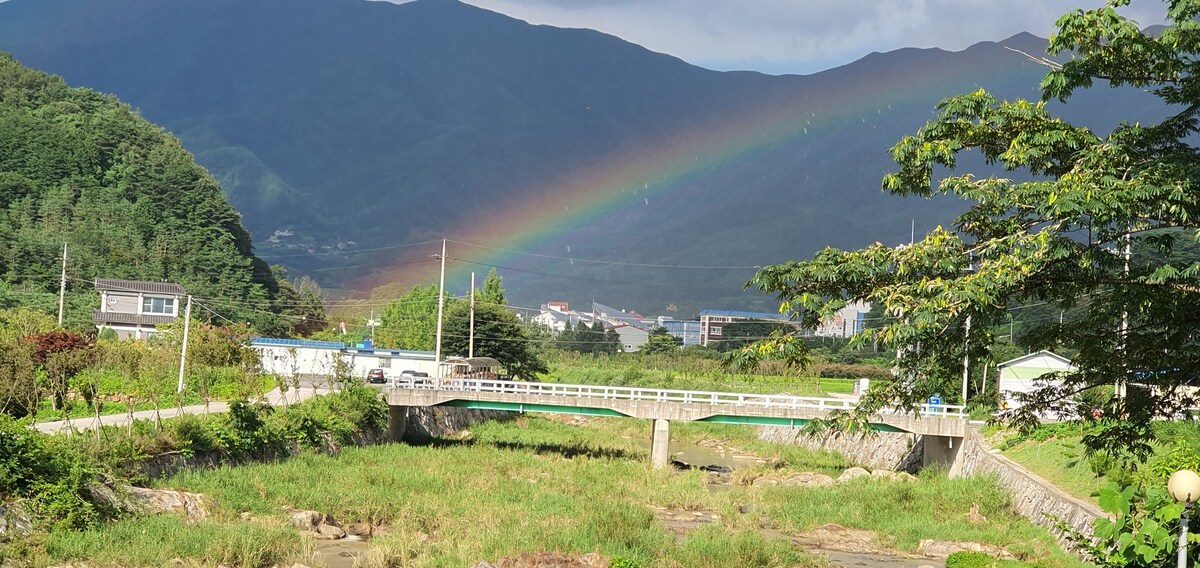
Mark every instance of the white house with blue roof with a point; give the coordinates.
(309, 358)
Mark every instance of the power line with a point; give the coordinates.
(606, 262)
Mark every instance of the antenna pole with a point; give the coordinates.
(62, 286)
(437, 351)
(471, 341)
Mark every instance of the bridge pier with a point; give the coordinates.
(943, 450)
(660, 443)
(397, 422)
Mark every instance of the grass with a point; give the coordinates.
(111, 386)
(537, 484)
(638, 376)
(1056, 453)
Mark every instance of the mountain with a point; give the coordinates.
(79, 168)
(347, 132)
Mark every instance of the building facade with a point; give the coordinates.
(134, 308)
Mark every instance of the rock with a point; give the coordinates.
(483, 564)
(905, 476)
(246, 516)
(764, 480)
(329, 532)
(942, 548)
(852, 473)
(745, 508)
(884, 474)
(299, 565)
(358, 529)
(304, 520)
(716, 468)
(191, 505)
(841, 539)
(808, 478)
(14, 520)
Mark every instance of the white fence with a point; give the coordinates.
(660, 395)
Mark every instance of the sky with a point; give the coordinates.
(802, 36)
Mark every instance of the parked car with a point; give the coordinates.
(414, 378)
(376, 376)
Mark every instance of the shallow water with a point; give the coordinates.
(344, 553)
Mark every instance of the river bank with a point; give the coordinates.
(532, 484)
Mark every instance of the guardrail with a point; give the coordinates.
(658, 395)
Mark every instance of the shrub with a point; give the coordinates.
(966, 559)
(836, 370)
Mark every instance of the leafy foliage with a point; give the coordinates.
(1055, 233)
(410, 320)
(1142, 531)
(80, 168)
(660, 341)
(498, 334)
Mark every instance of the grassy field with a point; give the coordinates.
(536, 484)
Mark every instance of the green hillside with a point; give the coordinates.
(81, 168)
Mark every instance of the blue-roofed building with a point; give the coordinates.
(309, 358)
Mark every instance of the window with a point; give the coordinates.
(165, 306)
(385, 362)
(714, 330)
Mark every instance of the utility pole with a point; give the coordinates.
(372, 323)
(187, 324)
(1119, 388)
(966, 357)
(437, 350)
(471, 341)
(62, 286)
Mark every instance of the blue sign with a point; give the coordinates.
(935, 400)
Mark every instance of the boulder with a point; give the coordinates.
(14, 520)
(329, 532)
(358, 529)
(305, 520)
(884, 474)
(905, 476)
(852, 473)
(190, 505)
(841, 539)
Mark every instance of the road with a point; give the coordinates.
(274, 397)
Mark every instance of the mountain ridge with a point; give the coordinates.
(385, 124)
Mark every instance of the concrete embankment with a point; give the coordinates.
(1033, 497)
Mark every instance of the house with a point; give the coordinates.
(134, 308)
(846, 322)
(556, 316)
(392, 361)
(633, 330)
(631, 338)
(1020, 375)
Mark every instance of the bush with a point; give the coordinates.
(840, 371)
(966, 559)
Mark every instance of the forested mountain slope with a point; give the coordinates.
(340, 126)
(81, 168)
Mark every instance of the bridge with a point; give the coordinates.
(942, 426)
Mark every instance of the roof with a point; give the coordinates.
(631, 319)
(285, 342)
(392, 352)
(747, 315)
(473, 362)
(1032, 356)
(114, 285)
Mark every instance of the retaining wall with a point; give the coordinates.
(1033, 497)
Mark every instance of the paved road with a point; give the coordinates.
(274, 397)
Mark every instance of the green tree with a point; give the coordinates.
(661, 341)
(1054, 232)
(492, 291)
(499, 334)
(410, 321)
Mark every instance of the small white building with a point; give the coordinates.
(631, 338)
(1021, 375)
(299, 357)
(308, 358)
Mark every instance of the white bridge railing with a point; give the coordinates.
(781, 401)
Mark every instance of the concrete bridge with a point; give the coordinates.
(943, 426)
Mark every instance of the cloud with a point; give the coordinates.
(786, 36)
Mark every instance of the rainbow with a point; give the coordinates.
(629, 177)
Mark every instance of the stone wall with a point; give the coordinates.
(881, 450)
(427, 422)
(1035, 498)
